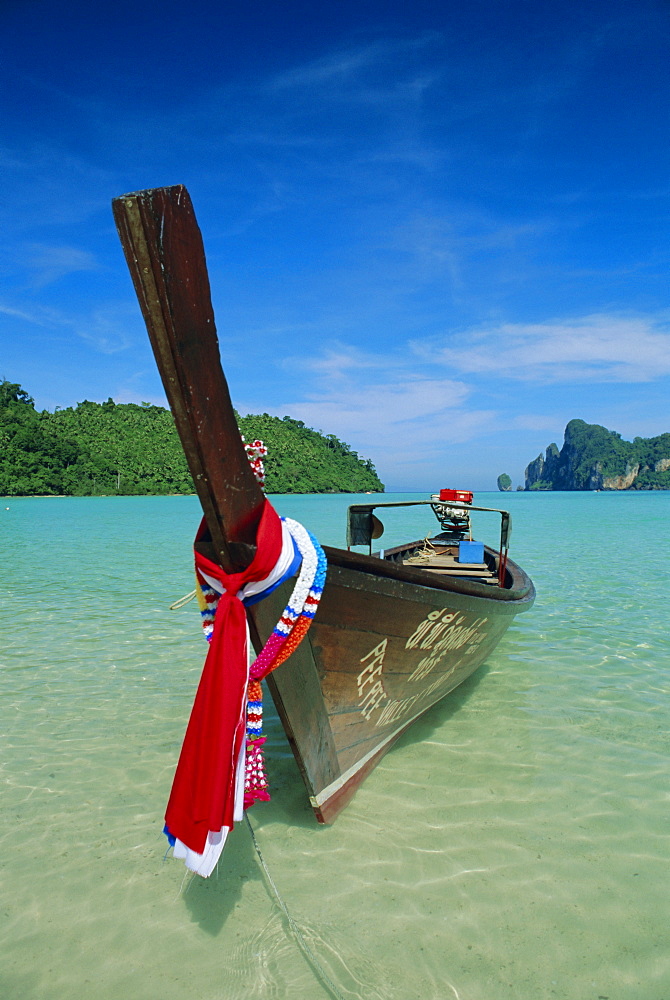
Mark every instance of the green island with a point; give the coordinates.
(130, 449)
(594, 458)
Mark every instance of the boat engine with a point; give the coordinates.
(451, 509)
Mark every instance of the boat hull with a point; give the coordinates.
(381, 651)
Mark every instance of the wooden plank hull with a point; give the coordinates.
(379, 654)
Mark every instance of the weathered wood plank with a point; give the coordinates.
(166, 258)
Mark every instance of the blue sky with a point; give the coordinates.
(437, 230)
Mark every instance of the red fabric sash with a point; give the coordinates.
(203, 790)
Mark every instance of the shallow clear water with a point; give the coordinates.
(513, 845)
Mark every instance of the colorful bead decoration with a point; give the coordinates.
(302, 604)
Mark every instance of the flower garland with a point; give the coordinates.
(256, 452)
(284, 639)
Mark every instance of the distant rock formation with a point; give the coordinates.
(504, 483)
(594, 458)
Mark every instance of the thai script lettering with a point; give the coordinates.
(429, 630)
(442, 636)
(439, 634)
(371, 691)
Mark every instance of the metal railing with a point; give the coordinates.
(454, 517)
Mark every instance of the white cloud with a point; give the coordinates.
(38, 317)
(393, 428)
(382, 408)
(53, 262)
(108, 329)
(345, 66)
(355, 405)
(339, 361)
(595, 348)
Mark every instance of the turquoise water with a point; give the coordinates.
(513, 845)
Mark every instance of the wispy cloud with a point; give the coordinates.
(342, 363)
(473, 249)
(398, 425)
(382, 405)
(36, 316)
(347, 64)
(108, 329)
(52, 186)
(50, 263)
(358, 103)
(596, 348)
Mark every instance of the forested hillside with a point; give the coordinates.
(595, 458)
(126, 448)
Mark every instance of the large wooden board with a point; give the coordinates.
(166, 258)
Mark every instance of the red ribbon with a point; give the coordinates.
(203, 790)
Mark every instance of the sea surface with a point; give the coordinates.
(514, 844)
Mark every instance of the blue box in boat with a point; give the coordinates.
(471, 552)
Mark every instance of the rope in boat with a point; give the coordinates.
(424, 554)
(183, 601)
(311, 957)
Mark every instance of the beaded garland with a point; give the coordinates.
(301, 608)
(284, 639)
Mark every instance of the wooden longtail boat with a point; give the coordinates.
(397, 630)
